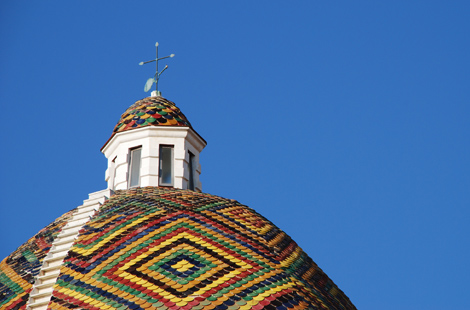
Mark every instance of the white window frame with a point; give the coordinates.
(112, 173)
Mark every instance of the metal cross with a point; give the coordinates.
(155, 79)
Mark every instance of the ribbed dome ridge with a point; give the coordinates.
(19, 270)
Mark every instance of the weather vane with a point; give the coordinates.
(155, 79)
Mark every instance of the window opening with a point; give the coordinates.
(166, 165)
(191, 171)
(134, 167)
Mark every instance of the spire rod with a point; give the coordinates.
(156, 77)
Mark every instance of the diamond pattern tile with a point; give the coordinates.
(165, 248)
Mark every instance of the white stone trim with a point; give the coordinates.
(41, 293)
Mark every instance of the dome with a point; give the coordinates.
(151, 111)
(166, 248)
(162, 133)
(19, 270)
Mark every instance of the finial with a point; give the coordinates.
(156, 77)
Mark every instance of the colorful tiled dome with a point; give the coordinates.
(166, 248)
(151, 111)
(19, 270)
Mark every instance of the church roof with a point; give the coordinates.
(19, 270)
(151, 111)
(167, 248)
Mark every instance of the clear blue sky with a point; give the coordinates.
(346, 123)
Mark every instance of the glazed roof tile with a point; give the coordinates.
(151, 111)
(166, 248)
(19, 270)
